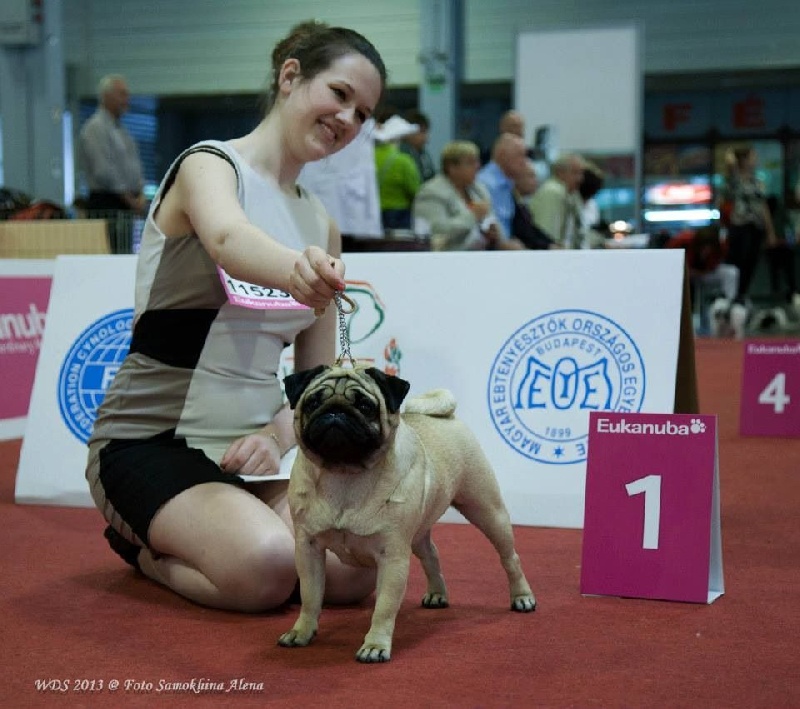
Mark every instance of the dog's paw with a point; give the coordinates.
(523, 604)
(295, 639)
(369, 653)
(435, 600)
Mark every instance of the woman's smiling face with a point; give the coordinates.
(327, 112)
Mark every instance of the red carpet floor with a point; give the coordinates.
(72, 613)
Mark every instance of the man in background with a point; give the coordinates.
(522, 225)
(556, 205)
(512, 122)
(508, 164)
(415, 144)
(346, 183)
(110, 159)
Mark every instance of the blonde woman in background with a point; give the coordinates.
(456, 207)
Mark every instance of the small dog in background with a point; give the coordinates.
(735, 320)
(369, 483)
(770, 320)
(719, 318)
(727, 319)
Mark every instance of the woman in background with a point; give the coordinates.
(456, 207)
(750, 225)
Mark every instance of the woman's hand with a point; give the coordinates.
(480, 210)
(256, 454)
(315, 278)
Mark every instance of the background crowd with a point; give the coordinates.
(509, 201)
(387, 184)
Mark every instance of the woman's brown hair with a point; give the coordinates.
(316, 46)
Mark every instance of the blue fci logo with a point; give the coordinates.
(552, 372)
(88, 369)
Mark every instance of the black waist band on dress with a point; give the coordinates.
(174, 337)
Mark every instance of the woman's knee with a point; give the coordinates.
(248, 566)
(262, 578)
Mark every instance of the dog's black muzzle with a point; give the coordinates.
(337, 435)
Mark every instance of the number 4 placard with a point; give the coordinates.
(651, 521)
(770, 403)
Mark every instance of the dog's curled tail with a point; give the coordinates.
(437, 402)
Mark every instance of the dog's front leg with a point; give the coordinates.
(310, 561)
(390, 590)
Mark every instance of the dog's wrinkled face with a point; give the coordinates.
(344, 416)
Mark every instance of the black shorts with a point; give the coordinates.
(140, 476)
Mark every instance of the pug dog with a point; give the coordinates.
(369, 483)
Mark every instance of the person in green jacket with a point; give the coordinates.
(397, 173)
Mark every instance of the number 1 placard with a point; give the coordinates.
(651, 521)
(770, 403)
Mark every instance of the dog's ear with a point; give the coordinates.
(295, 384)
(394, 389)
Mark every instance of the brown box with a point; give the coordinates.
(52, 237)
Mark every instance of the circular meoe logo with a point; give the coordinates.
(88, 369)
(552, 372)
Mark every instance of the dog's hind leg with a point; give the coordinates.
(436, 594)
(485, 509)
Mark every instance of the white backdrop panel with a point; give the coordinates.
(587, 83)
(529, 343)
